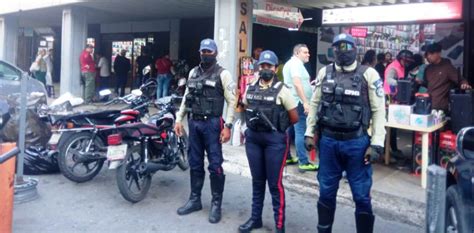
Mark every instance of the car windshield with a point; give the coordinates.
(8, 72)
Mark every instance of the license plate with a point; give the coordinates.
(54, 138)
(116, 152)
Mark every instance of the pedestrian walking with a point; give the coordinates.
(348, 98)
(209, 86)
(163, 68)
(297, 78)
(121, 68)
(270, 110)
(88, 73)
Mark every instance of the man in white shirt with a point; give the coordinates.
(104, 72)
(297, 78)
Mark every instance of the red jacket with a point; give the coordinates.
(86, 59)
(163, 66)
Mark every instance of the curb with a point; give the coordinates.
(386, 206)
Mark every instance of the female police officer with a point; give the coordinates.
(270, 109)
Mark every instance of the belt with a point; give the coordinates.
(200, 117)
(343, 136)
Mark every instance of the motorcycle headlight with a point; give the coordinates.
(465, 142)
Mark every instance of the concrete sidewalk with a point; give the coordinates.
(396, 195)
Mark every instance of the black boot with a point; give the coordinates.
(325, 218)
(217, 188)
(250, 225)
(194, 202)
(365, 222)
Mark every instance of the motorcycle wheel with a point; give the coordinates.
(67, 159)
(132, 183)
(183, 152)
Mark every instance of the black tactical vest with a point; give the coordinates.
(206, 94)
(264, 102)
(344, 103)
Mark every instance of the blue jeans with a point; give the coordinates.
(163, 85)
(300, 129)
(337, 156)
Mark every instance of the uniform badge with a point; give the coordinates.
(379, 91)
(379, 88)
(378, 83)
(232, 88)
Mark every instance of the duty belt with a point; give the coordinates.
(199, 117)
(342, 136)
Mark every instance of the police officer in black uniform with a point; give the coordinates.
(270, 110)
(209, 86)
(348, 98)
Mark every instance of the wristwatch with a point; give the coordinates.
(228, 125)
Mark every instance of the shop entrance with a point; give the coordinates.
(155, 43)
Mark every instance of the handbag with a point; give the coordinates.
(34, 67)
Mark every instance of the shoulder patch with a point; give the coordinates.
(379, 88)
(378, 83)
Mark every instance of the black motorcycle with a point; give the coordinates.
(139, 150)
(82, 145)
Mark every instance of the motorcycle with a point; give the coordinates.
(81, 148)
(180, 79)
(139, 150)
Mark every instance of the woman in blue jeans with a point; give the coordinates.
(163, 85)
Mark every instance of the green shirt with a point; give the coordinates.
(295, 68)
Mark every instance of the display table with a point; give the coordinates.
(424, 143)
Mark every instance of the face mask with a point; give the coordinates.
(346, 58)
(208, 59)
(266, 74)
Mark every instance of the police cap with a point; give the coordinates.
(268, 57)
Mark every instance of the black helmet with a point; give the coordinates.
(405, 54)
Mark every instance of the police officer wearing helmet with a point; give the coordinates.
(209, 86)
(270, 110)
(348, 98)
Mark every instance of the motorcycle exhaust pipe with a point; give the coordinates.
(154, 167)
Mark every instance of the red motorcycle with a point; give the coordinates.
(139, 150)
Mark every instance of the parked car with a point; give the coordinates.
(460, 185)
(10, 81)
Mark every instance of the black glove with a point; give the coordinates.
(374, 155)
(309, 143)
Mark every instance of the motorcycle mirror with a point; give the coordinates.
(146, 70)
(137, 92)
(105, 92)
(465, 142)
(181, 82)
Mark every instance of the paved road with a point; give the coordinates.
(97, 206)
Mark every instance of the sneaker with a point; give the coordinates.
(291, 160)
(308, 167)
